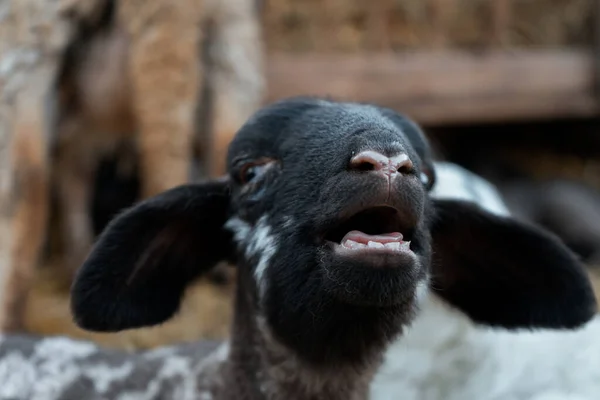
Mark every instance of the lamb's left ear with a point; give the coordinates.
(137, 271)
(503, 272)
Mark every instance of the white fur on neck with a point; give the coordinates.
(255, 241)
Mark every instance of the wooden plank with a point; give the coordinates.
(449, 86)
(499, 108)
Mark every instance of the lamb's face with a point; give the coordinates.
(331, 209)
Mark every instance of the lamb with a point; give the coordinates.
(444, 356)
(326, 213)
(93, 74)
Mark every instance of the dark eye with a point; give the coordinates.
(252, 170)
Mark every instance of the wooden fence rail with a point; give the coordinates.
(446, 87)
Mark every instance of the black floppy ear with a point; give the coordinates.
(503, 272)
(137, 272)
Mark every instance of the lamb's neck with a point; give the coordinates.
(264, 368)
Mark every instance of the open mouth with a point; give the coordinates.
(374, 230)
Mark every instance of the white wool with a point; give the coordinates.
(456, 182)
(446, 357)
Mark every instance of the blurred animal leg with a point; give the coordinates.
(163, 67)
(26, 204)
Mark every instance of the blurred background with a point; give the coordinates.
(507, 88)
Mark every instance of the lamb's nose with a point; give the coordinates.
(370, 160)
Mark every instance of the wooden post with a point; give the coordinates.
(439, 11)
(501, 13)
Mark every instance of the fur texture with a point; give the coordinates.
(314, 314)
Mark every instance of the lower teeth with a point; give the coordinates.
(398, 246)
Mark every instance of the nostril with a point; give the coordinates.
(363, 166)
(369, 161)
(405, 166)
(373, 161)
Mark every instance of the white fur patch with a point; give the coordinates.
(255, 241)
(16, 376)
(220, 354)
(104, 375)
(456, 182)
(173, 367)
(444, 356)
(240, 229)
(50, 369)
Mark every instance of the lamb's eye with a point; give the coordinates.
(252, 170)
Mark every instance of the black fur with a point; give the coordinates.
(504, 272)
(139, 267)
(329, 309)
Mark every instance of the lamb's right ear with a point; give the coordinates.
(501, 271)
(137, 272)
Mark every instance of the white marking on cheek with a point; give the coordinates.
(264, 244)
(239, 228)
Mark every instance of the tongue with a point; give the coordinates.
(361, 237)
